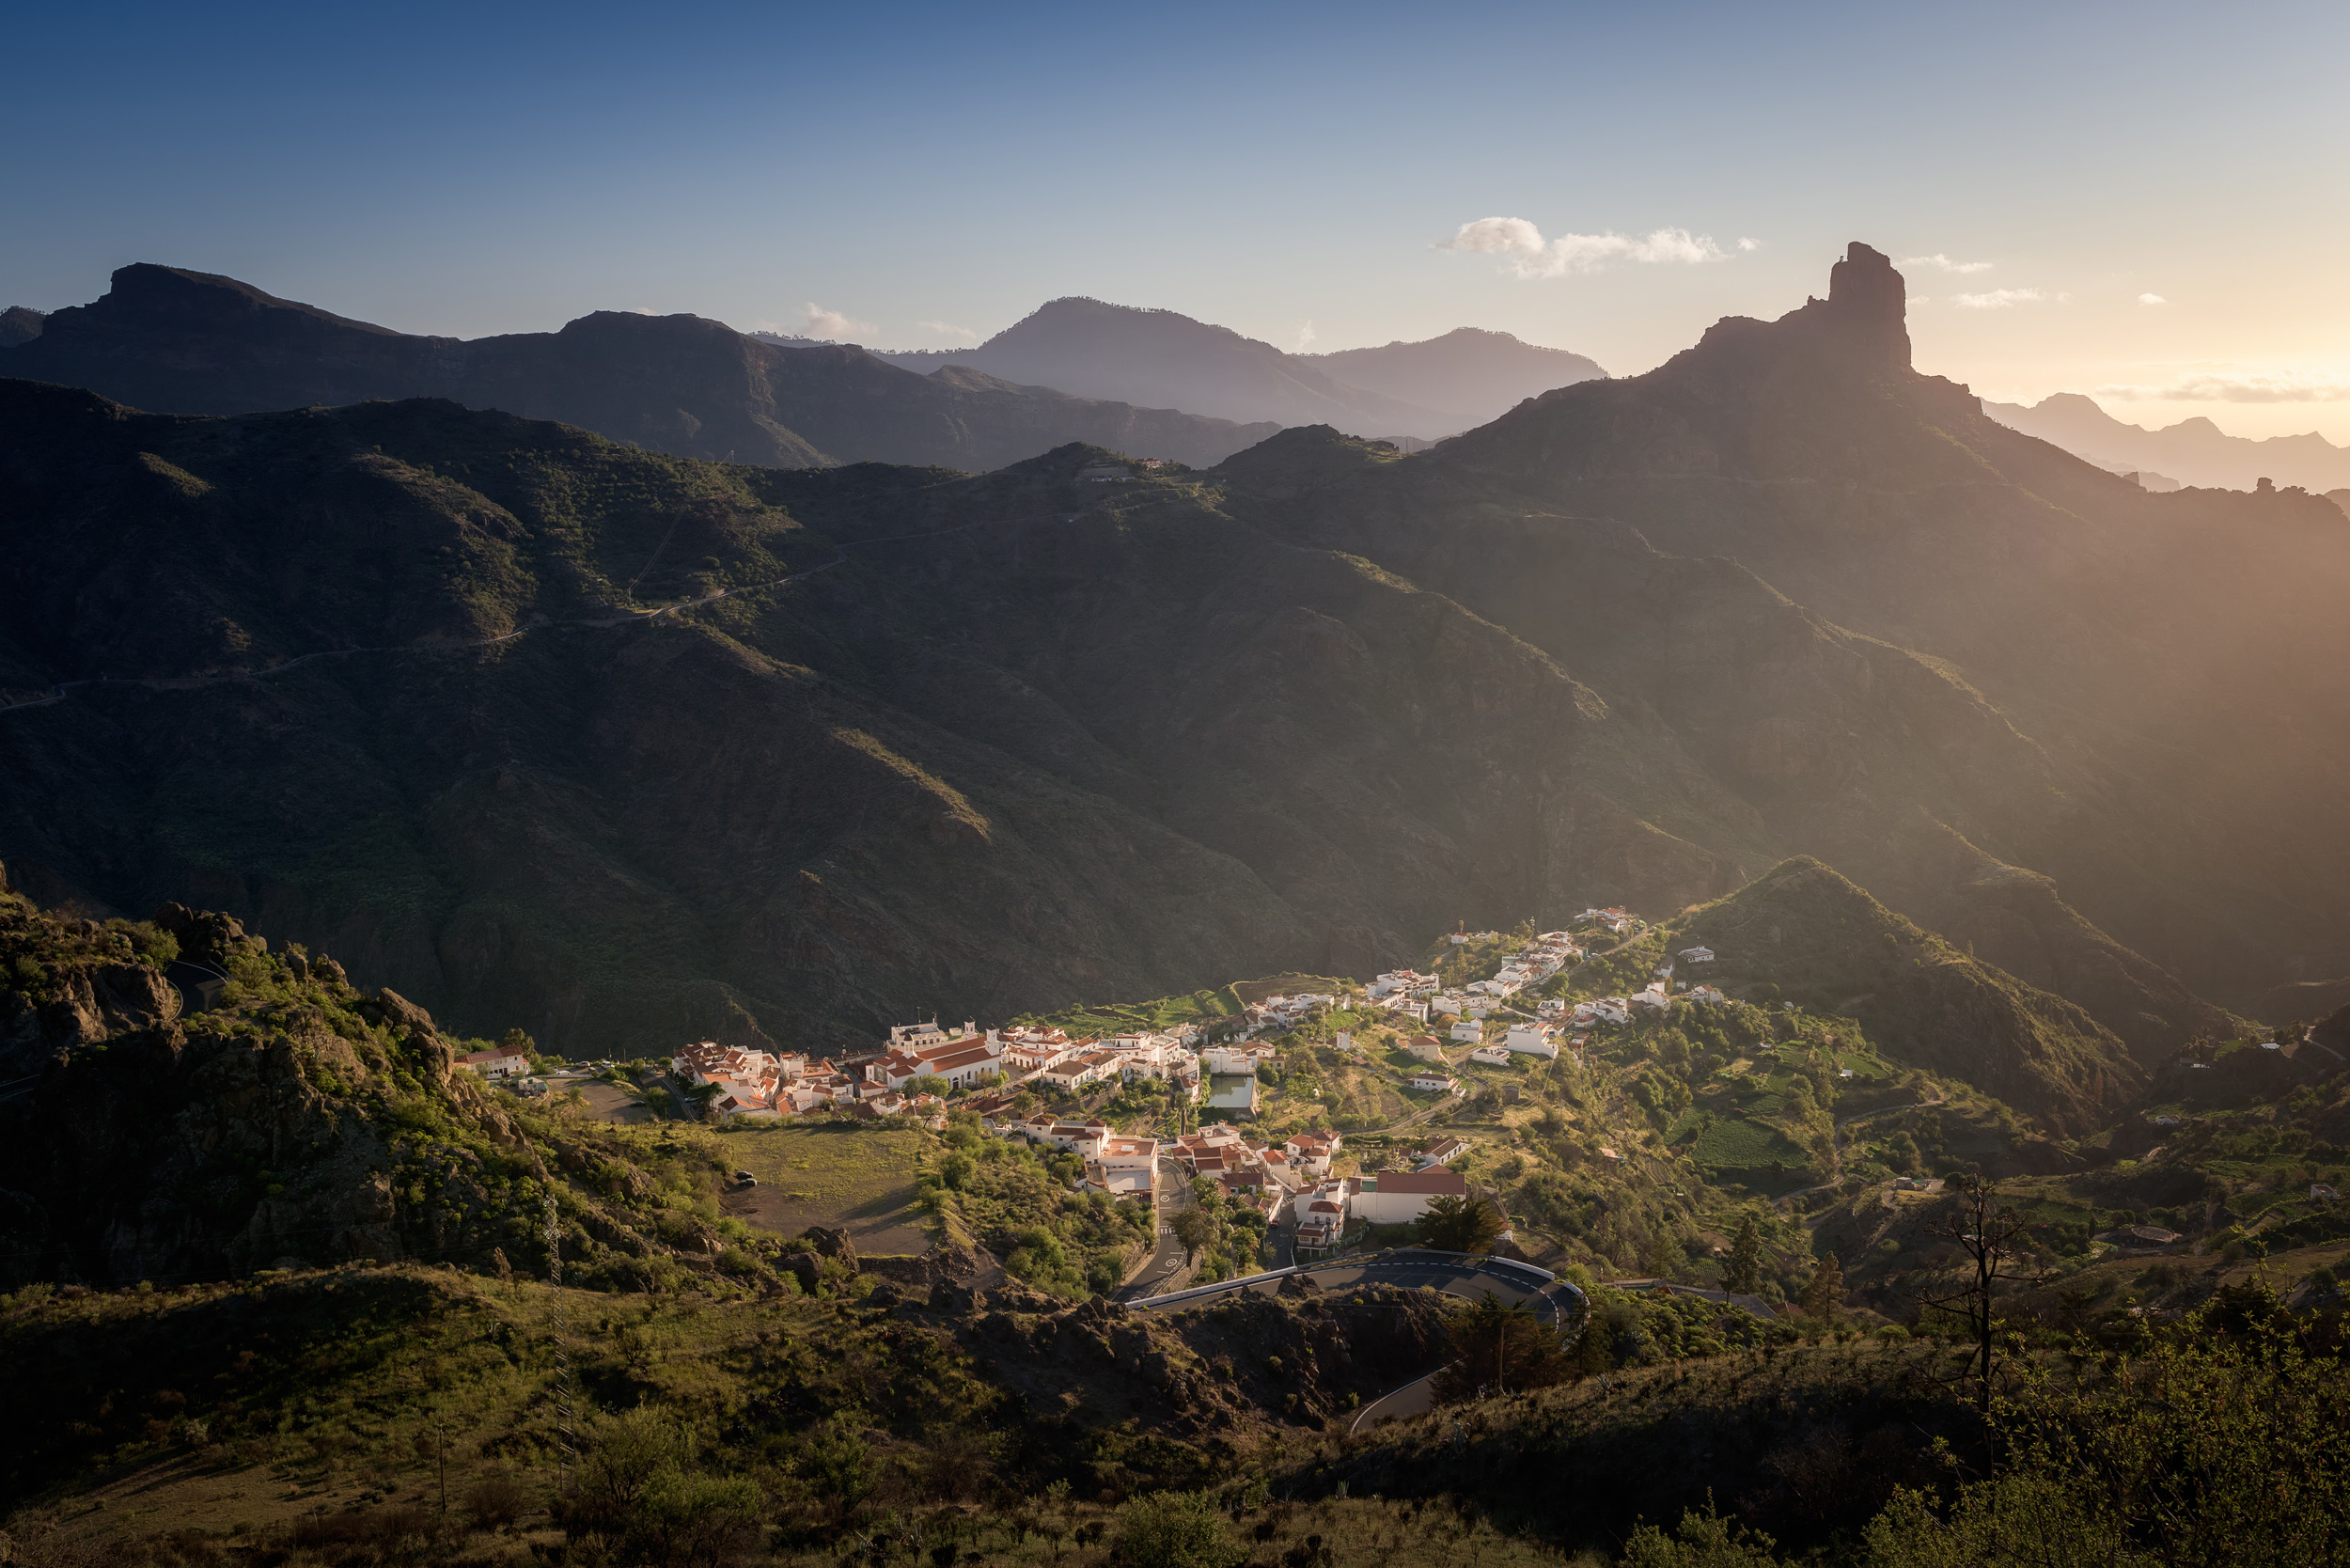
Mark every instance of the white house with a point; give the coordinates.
(1697, 955)
(1443, 1150)
(1397, 1198)
(1126, 1167)
(1077, 1071)
(1078, 1138)
(1236, 1060)
(1431, 1081)
(1656, 998)
(1707, 995)
(1427, 1047)
(1468, 1030)
(1321, 1218)
(1310, 1153)
(975, 1059)
(1533, 1040)
(1490, 1056)
(498, 1064)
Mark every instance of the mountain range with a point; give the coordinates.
(178, 341)
(1425, 389)
(2193, 451)
(616, 744)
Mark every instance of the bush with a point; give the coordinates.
(494, 1501)
(1174, 1529)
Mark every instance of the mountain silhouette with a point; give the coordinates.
(1165, 359)
(178, 341)
(2193, 451)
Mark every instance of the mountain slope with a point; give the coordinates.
(20, 324)
(189, 342)
(297, 1120)
(2194, 452)
(2139, 695)
(1165, 359)
(1063, 741)
(1480, 375)
(1804, 929)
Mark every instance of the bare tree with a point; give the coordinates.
(1993, 1238)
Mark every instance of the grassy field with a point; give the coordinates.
(1745, 1145)
(1252, 992)
(853, 1177)
(1163, 1012)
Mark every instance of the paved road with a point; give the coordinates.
(1452, 1273)
(1166, 1270)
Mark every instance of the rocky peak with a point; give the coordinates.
(1867, 305)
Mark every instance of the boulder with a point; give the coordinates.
(832, 1244)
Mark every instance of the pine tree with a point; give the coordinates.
(1743, 1271)
(1824, 1296)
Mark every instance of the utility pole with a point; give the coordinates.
(564, 1445)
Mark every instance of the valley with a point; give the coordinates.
(1682, 842)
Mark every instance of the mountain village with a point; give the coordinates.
(1207, 1073)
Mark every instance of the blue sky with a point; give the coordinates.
(1279, 168)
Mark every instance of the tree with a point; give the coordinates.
(1195, 1229)
(2221, 1444)
(1825, 1295)
(1594, 1354)
(1993, 1238)
(1743, 1270)
(1463, 1224)
(1495, 1348)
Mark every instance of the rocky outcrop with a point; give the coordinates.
(292, 1123)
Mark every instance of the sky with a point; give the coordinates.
(2143, 202)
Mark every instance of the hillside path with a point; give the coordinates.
(627, 618)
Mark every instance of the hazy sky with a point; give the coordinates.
(1291, 170)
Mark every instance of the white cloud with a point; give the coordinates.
(832, 323)
(2286, 388)
(1305, 336)
(944, 330)
(2152, 299)
(2000, 299)
(1531, 255)
(1944, 263)
(1746, 243)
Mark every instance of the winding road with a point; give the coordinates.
(1463, 1275)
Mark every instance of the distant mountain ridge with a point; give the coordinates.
(1426, 390)
(2193, 451)
(1011, 741)
(176, 341)
(1478, 374)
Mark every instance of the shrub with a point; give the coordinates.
(1174, 1529)
(494, 1501)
